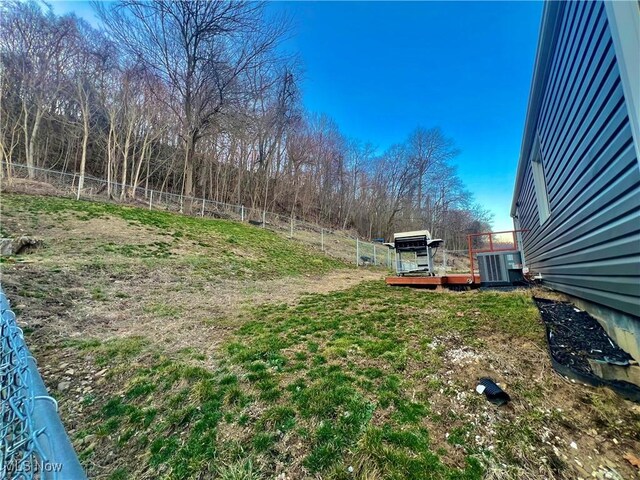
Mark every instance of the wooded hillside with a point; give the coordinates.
(198, 98)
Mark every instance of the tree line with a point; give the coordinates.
(197, 98)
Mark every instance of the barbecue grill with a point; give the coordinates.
(414, 252)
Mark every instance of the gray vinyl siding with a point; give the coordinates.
(589, 247)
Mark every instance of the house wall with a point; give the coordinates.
(589, 246)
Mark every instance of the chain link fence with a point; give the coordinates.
(337, 244)
(33, 442)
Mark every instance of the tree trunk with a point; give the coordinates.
(83, 158)
(109, 158)
(141, 157)
(125, 155)
(29, 138)
(187, 189)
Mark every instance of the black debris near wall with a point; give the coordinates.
(574, 337)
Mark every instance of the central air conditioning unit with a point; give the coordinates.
(501, 268)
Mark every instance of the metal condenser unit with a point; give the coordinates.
(500, 268)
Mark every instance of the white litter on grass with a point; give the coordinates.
(480, 389)
(574, 445)
(462, 355)
(460, 396)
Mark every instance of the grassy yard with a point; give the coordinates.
(189, 348)
(211, 247)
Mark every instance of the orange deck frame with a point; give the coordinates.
(452, 279)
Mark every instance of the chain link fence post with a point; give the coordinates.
(33, 441)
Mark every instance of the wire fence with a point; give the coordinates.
(334, 243)
(338, 244)
(33, 442)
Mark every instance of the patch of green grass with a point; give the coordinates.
(4, 233)
(119, 474)
(111, 351)
(97, 293)
(349, 353)
(345, 377)
(145, 250)
(230, 248)
(407, 454)
(162, 310)
(240, 470)
(186, 399)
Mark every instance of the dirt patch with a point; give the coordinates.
(32, 187)
(162, 303)
(286, 290)
(107, 229)
(160, 306)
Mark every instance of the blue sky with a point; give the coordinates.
(380, 69)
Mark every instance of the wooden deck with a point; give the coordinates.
(453, 279)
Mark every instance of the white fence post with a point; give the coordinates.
(242, 213)
(264, 218)
(202, 212)
(151, 200)
(374, 254)
(357, 252)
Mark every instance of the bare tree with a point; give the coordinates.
(191, 97)
(198, 49)
(10, 122)
(429, 150)
(35, 46)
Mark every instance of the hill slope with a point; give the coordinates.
(187, 348)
